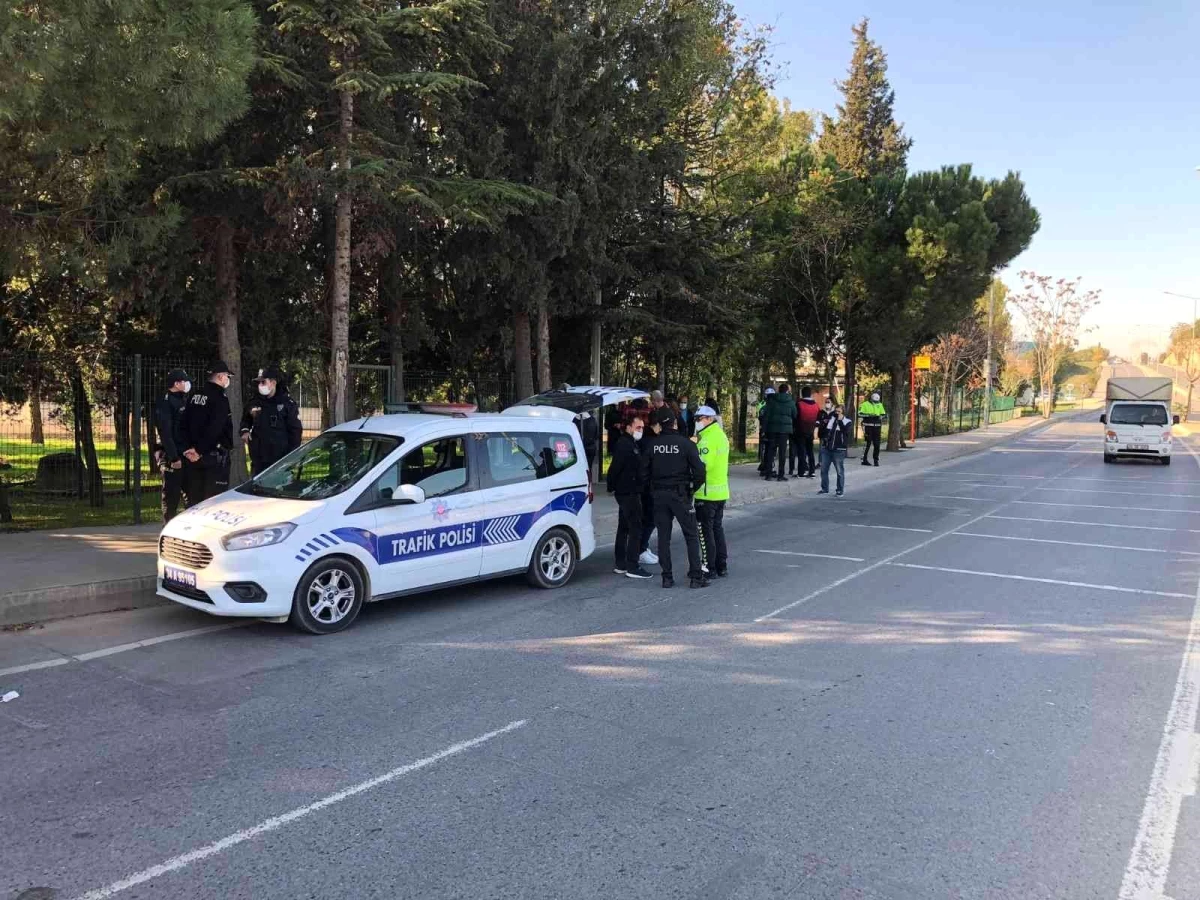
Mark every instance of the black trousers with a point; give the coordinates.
(872, 433)
(205, 479)
(172, 493)
(628, 544)
(803, 446)
(713, 551)
(676, 506)
(647, 523)
(777, 451)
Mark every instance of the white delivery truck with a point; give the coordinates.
(1137, 419)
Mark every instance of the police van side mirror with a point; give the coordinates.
(1174, 420)
(407, 494)
(1103, 419)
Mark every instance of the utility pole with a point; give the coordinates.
(987, 397)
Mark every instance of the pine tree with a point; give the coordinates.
(865, 138)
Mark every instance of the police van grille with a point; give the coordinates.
(185, 553)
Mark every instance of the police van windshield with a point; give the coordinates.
(324, 467)
(1138, 414)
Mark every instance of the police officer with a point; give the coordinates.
(675, 471)
(271, 422)
(713, 445)
(168, 454)
(208, 435)
(871, 413)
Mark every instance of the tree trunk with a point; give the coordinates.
(339, 297)
(743, 407)
(543, 343)
(661, 363)
(87, 442)
(522, 354)
(851, 387)
(6, 515)
(831, 379)
(37, 435)
(391, 296)
(229, 346)
(1187, 412)
(896, 407)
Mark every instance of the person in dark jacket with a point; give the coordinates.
(627, 483)
(836, 434)
(675, 473)
(271, 423)
(208, 435)
(640, 409)
(686, 418)
(780, 422)
(807, 412)
(168, 453)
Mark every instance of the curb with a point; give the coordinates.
(67, 600)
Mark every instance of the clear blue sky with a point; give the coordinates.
(1096, 104)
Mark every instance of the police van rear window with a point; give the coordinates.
(518, 456)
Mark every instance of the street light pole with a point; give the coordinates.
(987, 399)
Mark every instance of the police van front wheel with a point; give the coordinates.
(328, 597)
(554, 560)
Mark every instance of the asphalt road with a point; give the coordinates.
(966, 684)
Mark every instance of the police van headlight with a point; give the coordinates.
(257, 537)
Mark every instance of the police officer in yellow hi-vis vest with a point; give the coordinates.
(710, 498)
(871, 413)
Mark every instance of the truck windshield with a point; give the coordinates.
(1138, 414)
(324, 467)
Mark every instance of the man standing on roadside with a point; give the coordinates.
(807, 412)
(713, 445)
(764, 441)
(208, 435)
(627, 483)
(871, 413)
(271, 423)
(168, 419)
(835, 439)
(781, 422)
(675, 472)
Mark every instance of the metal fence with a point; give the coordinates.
(76, 436)
(961, 410)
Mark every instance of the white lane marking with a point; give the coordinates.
(1130, 493)
(1008, 537)
(1039, 450)
(150, 642)
(951, 443)
(1153, 509)
(994, 475)
(863, 571)
(1097, 524)
(1174, 776)
(29, 667)
(892, 528)
(951, 497)
(186, 859)
(813, 555)
(122, 648)
(1011, 577)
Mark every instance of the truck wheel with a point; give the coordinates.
(1108, 457)
(1166, 460)
(554, 560)
(328, 598)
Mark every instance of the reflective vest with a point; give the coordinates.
(871, 413)
(713, 445)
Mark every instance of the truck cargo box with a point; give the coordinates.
(1153, 388)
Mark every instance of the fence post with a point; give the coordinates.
(136, 435)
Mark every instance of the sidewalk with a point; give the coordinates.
(52, 574)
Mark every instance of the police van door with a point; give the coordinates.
(438, 541)
(528, 474)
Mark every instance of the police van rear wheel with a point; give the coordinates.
(553, 561)
(328, 597)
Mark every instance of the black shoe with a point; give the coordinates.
(638, 572)
(668, 581)
(865, 463)
(811, 475)
(823, 491)
(619, 570)
(781, 478)
(876, 463)
(722, 573)
(839, 493)
(699, 583)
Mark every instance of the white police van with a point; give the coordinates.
(390, 505)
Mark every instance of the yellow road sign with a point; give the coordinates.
(922, 362)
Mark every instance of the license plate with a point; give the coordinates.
(181, 577)
(1139, 446)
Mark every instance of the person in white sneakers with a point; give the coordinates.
(627, 482)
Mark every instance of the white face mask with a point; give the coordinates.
(187, 387)
(874, 398)
(265, 390)
(637, 435)
(828, 407)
